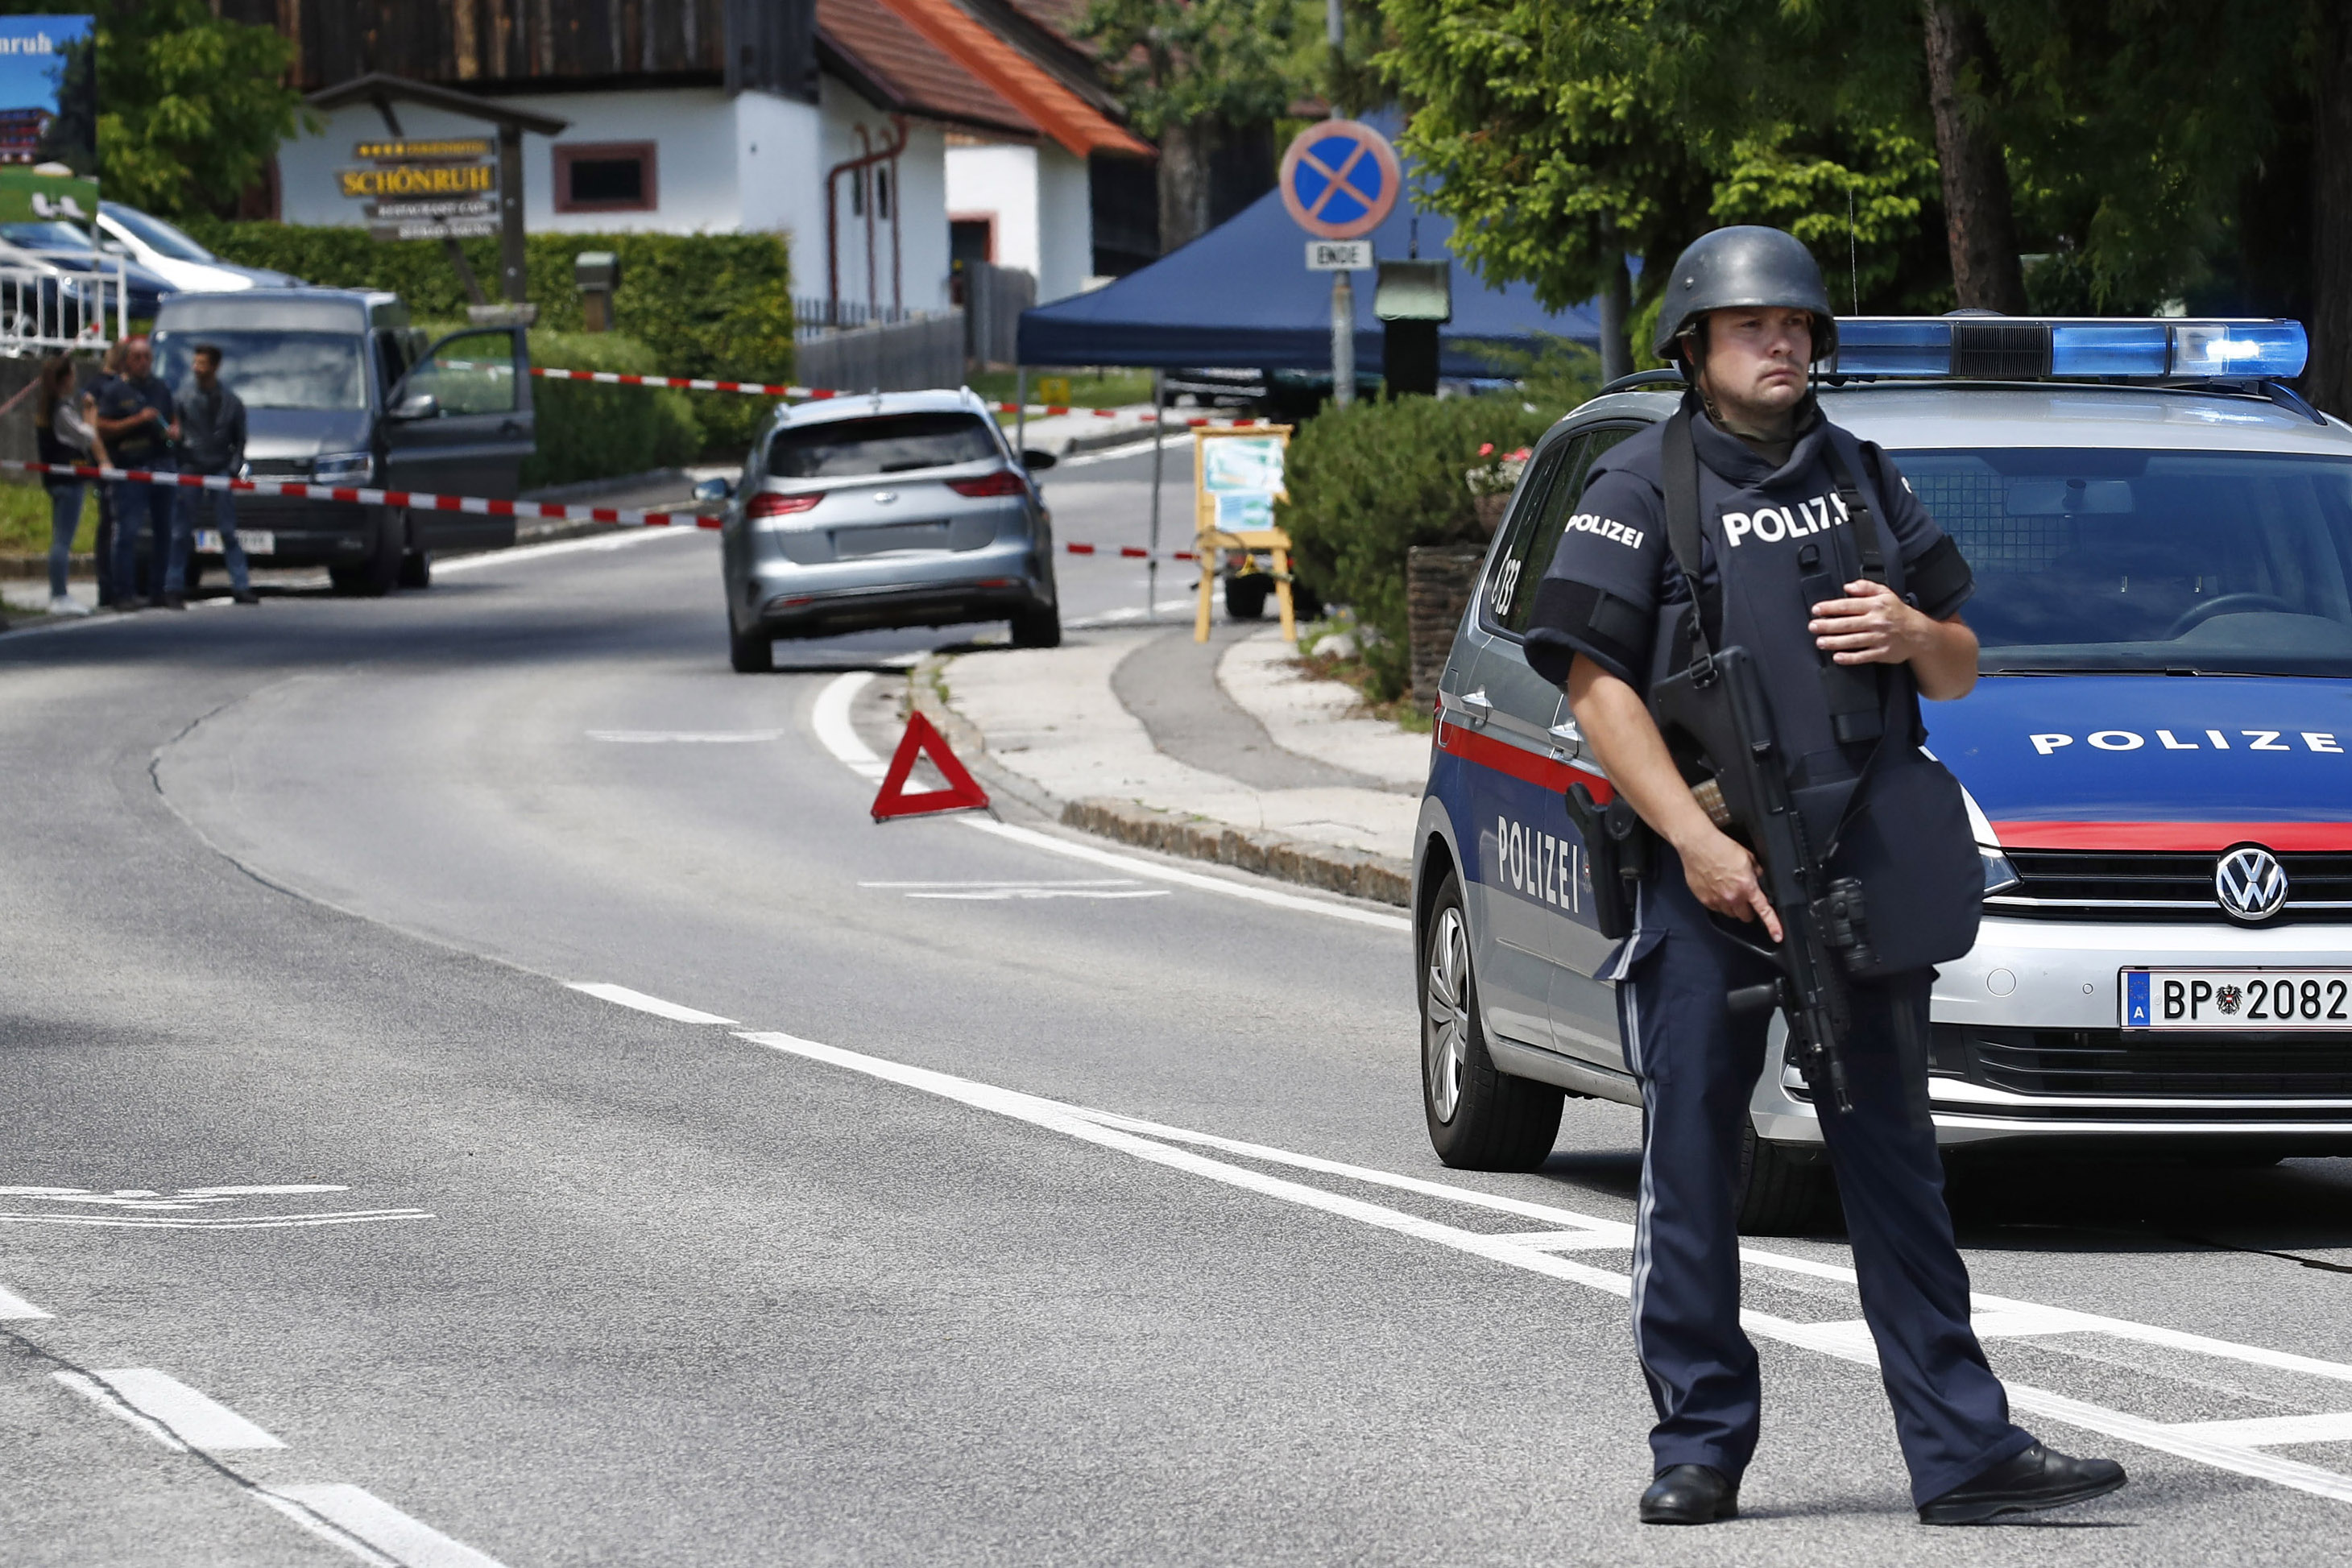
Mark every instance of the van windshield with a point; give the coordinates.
(271, 370)
(893, 443)
(2224, 562)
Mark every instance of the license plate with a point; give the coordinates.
(256, 541)
(2237, 998)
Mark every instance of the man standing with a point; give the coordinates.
(211, 441)
(134, 420)
(1745, 316)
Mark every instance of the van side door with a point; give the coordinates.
(458, 423)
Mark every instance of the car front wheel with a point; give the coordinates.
(1480, 1117)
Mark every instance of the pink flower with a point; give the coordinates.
(1485, 449)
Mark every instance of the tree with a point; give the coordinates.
(1192, 73)
(190, 107)
(1979, 224)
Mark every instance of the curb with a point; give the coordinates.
(1380, 879)
(612, 484)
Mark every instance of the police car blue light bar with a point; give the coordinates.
(2011, 348)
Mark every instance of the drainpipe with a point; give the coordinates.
(833, 216)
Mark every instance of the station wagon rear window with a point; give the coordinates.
(890, 443)
(2213, 563)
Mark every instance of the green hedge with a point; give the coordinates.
(589, 432)
(717, 306)
(1368, 482)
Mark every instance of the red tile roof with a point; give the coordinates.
(894, 61)
(1050, 107)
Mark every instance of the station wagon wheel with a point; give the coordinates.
(1480, 1118)
(1446, 1035)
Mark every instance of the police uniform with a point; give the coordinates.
(1614, 594)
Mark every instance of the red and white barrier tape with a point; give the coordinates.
(812, 394)
(1130, 552)
(414, 500)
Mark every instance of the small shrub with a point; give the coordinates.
(1368, 482)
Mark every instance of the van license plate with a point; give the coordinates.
(2236, 998)
(256, 541)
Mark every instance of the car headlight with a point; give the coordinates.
(342, 467)
(2000, 875)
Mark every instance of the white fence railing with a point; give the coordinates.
(46, 310)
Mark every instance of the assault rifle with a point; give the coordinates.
(1718, 725)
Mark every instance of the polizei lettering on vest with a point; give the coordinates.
(1587, 523)
(1773, 524)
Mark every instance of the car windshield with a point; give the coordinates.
(45, 236)
(159, 236)
(892, 444)
(2180, 561)
(271, 370)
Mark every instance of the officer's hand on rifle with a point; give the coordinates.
(1616, 723)
(1875, 627)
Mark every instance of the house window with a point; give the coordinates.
(605, 177)
(971, 236)
(882, 192)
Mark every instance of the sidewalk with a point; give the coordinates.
(1223, 751)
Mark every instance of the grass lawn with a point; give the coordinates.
(25, 518)
(1088, 387)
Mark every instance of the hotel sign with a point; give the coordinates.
(445, 189)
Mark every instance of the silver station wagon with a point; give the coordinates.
(2158, 758)
(895, 510)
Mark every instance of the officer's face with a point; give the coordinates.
(1755, 359)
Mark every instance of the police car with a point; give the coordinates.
(2159, 761)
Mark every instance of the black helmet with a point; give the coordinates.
(1747, 264)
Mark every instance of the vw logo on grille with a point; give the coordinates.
(2250, 882)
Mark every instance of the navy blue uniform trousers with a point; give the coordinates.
(1698, 1066)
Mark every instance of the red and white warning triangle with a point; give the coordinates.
(964, 793)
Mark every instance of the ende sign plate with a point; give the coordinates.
(444, 189)
(1338, 255)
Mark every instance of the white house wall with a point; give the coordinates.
(1066, 224)
(753, 163)
(999, 181)
(692, 128)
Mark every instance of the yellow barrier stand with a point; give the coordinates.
(1237, 479)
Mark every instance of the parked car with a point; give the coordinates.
(2157, 759)
(896, 509)
(340, 389)
(169, 253)
(66, 246)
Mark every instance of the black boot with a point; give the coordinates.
(2036, 1479)
(1690, 1494)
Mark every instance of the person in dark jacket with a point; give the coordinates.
(134, 420)
(211, 441)
(64, 435)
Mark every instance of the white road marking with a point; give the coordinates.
(191, 1419)
(1190, 879)
(220, 1221)
(562, 547)
(685, 737)
(830, 722)
(2335, 1427)
(1012, 882)
(16, 1308)
(1837, 1340)
(623, 997)
(106, 1400)
(998, 891)
(389, 1535)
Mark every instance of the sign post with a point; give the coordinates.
(1340, 181)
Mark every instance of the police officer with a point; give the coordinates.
(1745, 316)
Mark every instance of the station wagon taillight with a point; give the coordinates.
(766, 503)
(1004, 482)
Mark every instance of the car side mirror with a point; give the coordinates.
(417, 405)
(1037, 462)
(713, 490)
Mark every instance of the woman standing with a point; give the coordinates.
(65, 436)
